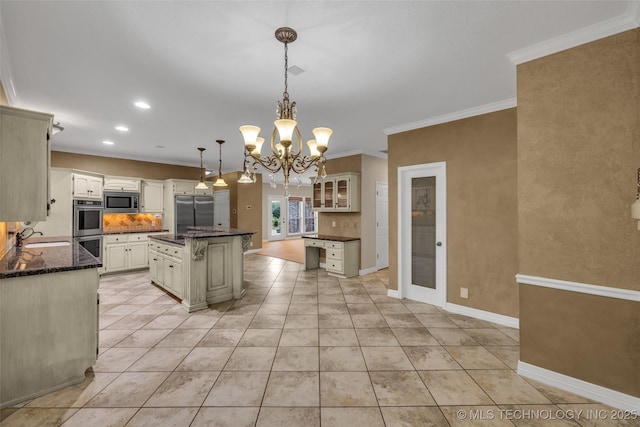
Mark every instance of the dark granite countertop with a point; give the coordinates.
(134, 231)
(333, 238)
(200, 233)
(27, 261)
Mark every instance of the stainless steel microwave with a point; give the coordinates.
(121, 202)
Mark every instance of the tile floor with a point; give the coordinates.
(300, 349)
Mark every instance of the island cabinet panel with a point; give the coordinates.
(217, 269)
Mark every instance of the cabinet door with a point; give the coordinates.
(137, 253)
(95, 187)
(80, 186)
(116, 257)
(155, 267)
(317, 195)
(122, 184)
(172, 271)
(328, 192)
(152, 197)
(187, 188)
(342, 193)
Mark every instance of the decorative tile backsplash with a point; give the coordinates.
(130, 222)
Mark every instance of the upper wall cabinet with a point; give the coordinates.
(188, 187)
(152, 196)
(24, 164)
(112, 183)
(337, 193)
(87, 186)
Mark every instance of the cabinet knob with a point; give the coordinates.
(439, 244)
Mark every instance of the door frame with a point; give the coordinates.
(283, 209)
(405, 173)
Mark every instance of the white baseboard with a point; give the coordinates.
(394, 293)
(322, 265)
(367, 271)
(581, 388)
(583, 288)
(500, 319)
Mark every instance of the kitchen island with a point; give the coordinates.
(48, 317)
(202, 266)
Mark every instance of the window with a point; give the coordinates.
(302, 219)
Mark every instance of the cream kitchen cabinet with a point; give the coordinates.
(166, 268)
(342, 255)
(113, 183)
(337, 193)
(152, 196)
(87, 186)
(24, 164)
(188, 187)
(125, 252)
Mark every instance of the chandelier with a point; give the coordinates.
(285, 155)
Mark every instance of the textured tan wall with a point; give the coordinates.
(598, 341)
(123, 167)
(482, 243)
(249, 206)
(578, 152)
(373, 169)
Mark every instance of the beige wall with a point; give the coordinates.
(578, 153)
(248, 206)
(374, 169)
(481, 205)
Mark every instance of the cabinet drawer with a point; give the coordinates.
(314, 243)
(172, 252)
(334, 254)
(334, 265)
(118, 238)
(138, 238)
(334, 245)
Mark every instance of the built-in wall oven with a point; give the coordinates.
(87, 225)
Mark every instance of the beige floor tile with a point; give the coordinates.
(124, 309)
(333, 309)
(363, 308)
(331, 299)
(242, 309)
(346, 389)
(413, 416)
(144, 338)
(475, 357)
(557, 396)
(419, 308)
(431, 358)
(301, 321)
(166, 321)
(153, 417)
(221, 338)
(111, 337)
(296, 359)
(129, 390)
(490, 336)
(369, 321)
(118, 359)
(228, 321)
(341, 359)
(512, 333)
(454, 388)
(414, 336)
(508, 354)
(538, 416)
(392, 308)
(41, 417)
(226, 417)
(469, 322)
(271, 417)
(77, 395)
(111, 417)
(260, 338)
(199, 321)
(386, 359)
(183, 338)
(105, 320)
(506, 387)
(202, 359)
(273, 309)
(238, 389)
(155, 309)
(251, 359)
(598, 415)
(183, 389)
(304, 299)
(338, 337)
(376, 337)
(349, 417)
(452, 336)
(131, 321)
(400, 388)
(299, 337)
(292, 389)
(268, 321)
(434, 320)
(160, 359)
(335, 321)
(474, 416)
(402, 320)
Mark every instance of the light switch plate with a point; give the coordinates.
(464, 293)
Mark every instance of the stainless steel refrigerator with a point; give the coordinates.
(193, 211)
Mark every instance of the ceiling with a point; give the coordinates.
(208, 67)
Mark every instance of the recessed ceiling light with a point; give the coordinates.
(105, 142)
(122, 128)
(142, 104)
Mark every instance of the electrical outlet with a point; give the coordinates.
(464, 293)
(333, 223)
(251, 244)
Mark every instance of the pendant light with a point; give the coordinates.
(201, 185)
(220, 182)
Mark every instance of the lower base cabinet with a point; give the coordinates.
(125, 252)
(165, 267)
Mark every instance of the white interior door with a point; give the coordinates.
(277, 224)
(382, 225)
(422, 229)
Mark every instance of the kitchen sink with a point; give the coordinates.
(45, 245)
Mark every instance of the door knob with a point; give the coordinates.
(439, 244)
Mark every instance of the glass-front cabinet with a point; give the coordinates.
(337, 193)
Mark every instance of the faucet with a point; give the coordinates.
(22, 236)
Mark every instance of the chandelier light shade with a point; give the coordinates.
(201, 185)
(220, 182)
(286, 140)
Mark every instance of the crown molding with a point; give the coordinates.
(358, 152)
(450, 117)
(628, 21)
